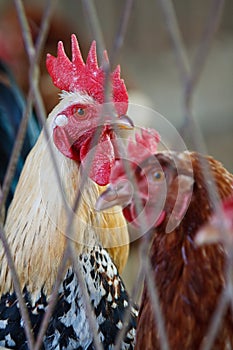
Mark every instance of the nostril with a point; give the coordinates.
(61, 120)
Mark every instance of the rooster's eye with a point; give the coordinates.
(79, 111)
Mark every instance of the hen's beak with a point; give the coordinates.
(115, 195)
(124, 122)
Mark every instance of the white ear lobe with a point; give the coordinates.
(185, 190)
(60, 120)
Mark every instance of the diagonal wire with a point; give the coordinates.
(173, 29)
(10, 173)
(224, 301)
(41, 115)
(212, 23)
(69, 254)
(190, 74)
(145, 266)
(216, 319)
(88, 306)
(17, 288)
(91, 15)
(66, 255)
(13, 161)
(34, 56)
(119, 38)
(154, 295)
(189, 77)
(121, 32)
(52, 300)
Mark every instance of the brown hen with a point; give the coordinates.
(189, 278)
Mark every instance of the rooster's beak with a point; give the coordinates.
(115, 195)
(124, 122)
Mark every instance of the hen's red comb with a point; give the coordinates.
(145, 146)
(74, 75)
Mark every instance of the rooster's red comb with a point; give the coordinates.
(74, 75)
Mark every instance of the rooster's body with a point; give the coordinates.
(69, 326)
(36, 226)
(189, 278)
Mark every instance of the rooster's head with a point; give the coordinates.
(75, 126)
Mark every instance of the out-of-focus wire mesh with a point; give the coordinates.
(175, 56)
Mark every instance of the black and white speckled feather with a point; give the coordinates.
(69, 326)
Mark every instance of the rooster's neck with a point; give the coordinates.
(36, 224)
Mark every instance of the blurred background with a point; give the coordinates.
(147, 60)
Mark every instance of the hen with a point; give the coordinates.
(36, 224)
(172, 192)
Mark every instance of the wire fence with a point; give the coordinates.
(190, 73)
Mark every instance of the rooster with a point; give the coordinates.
(172, 192)
(37, 218)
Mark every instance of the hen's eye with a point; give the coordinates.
(79, 111)
(158, 176)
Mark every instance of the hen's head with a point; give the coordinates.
(162, 187)
(74, 126)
